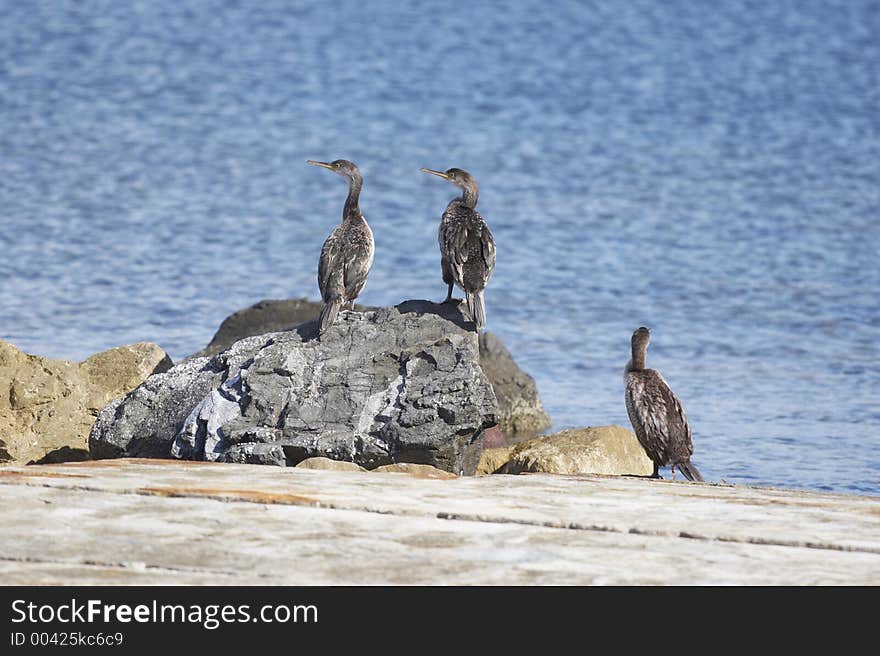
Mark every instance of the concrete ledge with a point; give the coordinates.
(158, 522)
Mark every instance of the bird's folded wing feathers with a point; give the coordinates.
(647, 410)
(677, 419)
(454, 237)
(356, 269)
(487, 243)
(329, 271)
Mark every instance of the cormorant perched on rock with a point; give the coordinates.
(656, 414)
(347, 254)
(467, 249)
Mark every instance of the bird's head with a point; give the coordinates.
(640, 339)
(470, 191)
(343, 167)
(459, 177)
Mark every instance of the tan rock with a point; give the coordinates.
(597, 450)
(119, 370)
(47, 406)
(415, 470)
(493, 460)
(329, 464)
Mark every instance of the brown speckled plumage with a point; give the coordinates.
(467, 248)
(656, 414)
(347, 254)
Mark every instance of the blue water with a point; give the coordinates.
(710, 170)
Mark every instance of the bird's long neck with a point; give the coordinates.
(352, 210)
(469, 195)
(637, 363)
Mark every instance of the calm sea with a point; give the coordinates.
(710, 170)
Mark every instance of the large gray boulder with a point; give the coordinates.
(399, 384)
(520, 410)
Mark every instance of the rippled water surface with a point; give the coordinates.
(709, 170)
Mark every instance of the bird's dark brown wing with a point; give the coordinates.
(358, 260)
(467, 246)
(680, 446)
(647, 411)
(330, 282)
(453, 239)
(487, 243)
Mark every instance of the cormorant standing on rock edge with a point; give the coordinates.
(467, 248)
(347, 254)
(656, 414)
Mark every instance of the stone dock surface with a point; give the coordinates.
(145, 522)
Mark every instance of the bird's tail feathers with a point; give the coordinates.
(328, 314)
(690, 471)
(477, 308)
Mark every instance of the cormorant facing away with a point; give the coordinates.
(347, 254)
(656, 414)
(467, 248)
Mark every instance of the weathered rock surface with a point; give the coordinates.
(399, 384)
(326, 464)
(415, 470)
(493, 461)
(155, 522)
(596, 450)
(47, 407)
(266, 316)
(519, 406)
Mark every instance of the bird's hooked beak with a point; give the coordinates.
(433, 172)
(324, 164)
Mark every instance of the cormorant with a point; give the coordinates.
(656, 414)
(467, 248)
(347, 254)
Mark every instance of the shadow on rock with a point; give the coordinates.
(64, 454)
(454, 312)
